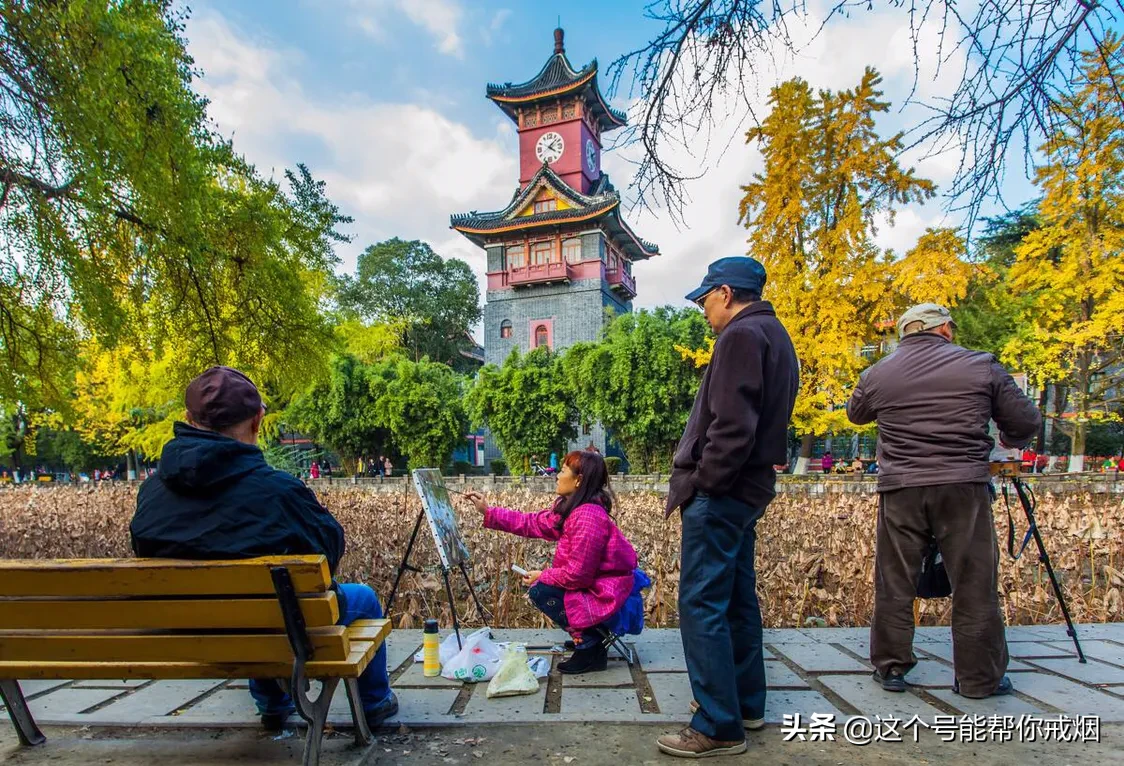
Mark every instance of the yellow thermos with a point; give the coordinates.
(431, 658)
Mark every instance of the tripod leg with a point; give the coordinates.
(452, 607)
(405, 561)
(479, 608)
(1044, 557)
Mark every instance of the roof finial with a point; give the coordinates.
(558, 36)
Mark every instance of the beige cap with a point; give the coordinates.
(931, 316)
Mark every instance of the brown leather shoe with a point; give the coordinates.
(752, 724)
(692, 744)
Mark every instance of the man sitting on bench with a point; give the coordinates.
(214, 497)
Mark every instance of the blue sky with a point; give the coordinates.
(384, 99)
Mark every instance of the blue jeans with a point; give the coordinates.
(374, 683)
(551, 602)
(719, 615)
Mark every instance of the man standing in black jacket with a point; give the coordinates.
(214, 497)
(723, 478)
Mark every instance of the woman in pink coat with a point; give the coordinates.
(591, 575)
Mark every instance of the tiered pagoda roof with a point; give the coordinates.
(558, 78)
(601, 205)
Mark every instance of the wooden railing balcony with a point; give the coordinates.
(619, 279)
(558, 271)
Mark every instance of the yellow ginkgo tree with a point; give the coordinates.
(1071, 270)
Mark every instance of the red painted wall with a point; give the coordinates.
(571, 165)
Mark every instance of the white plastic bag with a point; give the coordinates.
(478, 659)
(449, 647)
(513, 676)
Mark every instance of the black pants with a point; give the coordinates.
(551, 602)
(959, 517)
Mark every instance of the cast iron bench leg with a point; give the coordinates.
(313, 711)
(362, 731)
(26, 729)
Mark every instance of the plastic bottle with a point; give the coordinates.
(431, 659)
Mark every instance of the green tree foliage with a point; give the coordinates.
(422, 406)
(637, 384)
(526, 404)
(393, 405)
(986, 318)
(124, 217)
(434, 300)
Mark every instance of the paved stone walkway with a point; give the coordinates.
(810, 671)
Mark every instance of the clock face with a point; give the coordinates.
(549, 147)
(590, 155)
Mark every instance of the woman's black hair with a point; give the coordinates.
(594, 487)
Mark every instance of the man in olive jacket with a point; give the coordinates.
(723, 478)
(933, 401)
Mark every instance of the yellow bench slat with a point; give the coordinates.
(360, 656)
(31, 646)
(115, 578)
(320, 610)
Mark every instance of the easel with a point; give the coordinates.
(407, 566)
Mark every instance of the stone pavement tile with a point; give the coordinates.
(1112, 631)
(1070, 697)
(805, 703)
(600, 704)
(525, 708)
(673, 693)
(548, 637)
(930, 674)
(127, 683)
(662, 658)
(415, 676)
(864, 693)
(401, 645)
(160, 699)
(835, 635)
(787, 636)
(778, 675)
(1028, 632)
(1029, 649)
(415, 706)
(1091, 672)
(820, 658)
(1010, 705)
(617, 674)
(944, 651)
(1101, 650)
(232, 704)
(36, 686)
(930, 633)
(64, 705)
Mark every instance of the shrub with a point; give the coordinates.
(613, 464)
(499, 467)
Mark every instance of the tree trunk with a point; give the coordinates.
(131, 465)
(807, 441)
(1040, 443)
(1077, 449)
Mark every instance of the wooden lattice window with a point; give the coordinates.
(516, 257)
(572, 250)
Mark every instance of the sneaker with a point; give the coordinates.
(693, 744)
(1004, 688)
(894, 682)
(377, 716)
(585, 661)
(753, 724)
(274, 723)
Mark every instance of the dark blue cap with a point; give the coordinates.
(737, 271)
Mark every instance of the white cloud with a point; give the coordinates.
(399, 169)
(499, 18)
(440, 18)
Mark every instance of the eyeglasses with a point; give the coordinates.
(701, 300)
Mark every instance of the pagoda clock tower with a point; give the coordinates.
(559, 254)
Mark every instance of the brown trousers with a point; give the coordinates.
(959, 517)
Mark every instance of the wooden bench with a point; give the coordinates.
(272, 617)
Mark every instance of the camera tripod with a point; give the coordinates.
(1010, 473)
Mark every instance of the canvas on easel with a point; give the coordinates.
(437, 507)
(442, 519)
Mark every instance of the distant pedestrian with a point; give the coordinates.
(722, 479)
(827, 462)
(314, 470)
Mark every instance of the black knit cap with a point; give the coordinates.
(222, 397)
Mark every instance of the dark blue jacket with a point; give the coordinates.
(216, 498)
